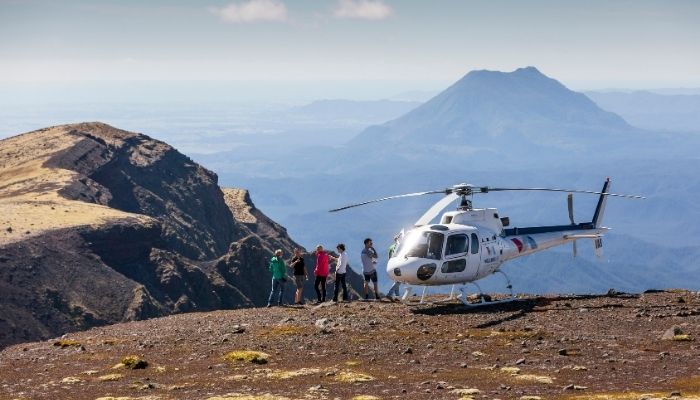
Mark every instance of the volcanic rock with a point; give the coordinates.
(119, 226)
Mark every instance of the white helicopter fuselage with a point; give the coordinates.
(468, 245)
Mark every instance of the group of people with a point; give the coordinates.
(321, 271)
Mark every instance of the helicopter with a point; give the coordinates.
(469, 244)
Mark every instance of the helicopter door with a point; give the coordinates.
(456, 251)
(474, 257)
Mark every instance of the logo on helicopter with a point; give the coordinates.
(529, 244)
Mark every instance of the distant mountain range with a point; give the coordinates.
(648, 110)
(487, 105)
(349, 111)
(509, 117)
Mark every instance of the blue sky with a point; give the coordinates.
(592, 44)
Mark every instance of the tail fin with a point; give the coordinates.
(600, 208)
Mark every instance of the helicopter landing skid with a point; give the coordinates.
(482, 299)
(463, 295)
(409, 290)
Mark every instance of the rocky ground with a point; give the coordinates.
(590, 347)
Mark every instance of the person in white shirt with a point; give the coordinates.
(340, 271)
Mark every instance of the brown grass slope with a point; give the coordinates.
(100, 225)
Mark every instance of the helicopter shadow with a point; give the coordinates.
(515, 309)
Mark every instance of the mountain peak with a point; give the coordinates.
(523, 72)
(483, 98)
(487, 108)
(528, 70)
(492, 79)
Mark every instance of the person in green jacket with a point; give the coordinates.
(279, 276)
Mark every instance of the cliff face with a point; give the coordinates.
(101, 225)
(134, 173)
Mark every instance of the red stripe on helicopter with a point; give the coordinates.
(518, 244)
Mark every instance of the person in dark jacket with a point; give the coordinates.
(300, 276)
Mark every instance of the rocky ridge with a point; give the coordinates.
(101, 225)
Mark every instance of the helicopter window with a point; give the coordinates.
(454, 266)
(419, 250)
(428, 245)
(475, 243)
(435, 241)
(457, 244)
(409, 241)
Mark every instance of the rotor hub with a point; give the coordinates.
(465, 204)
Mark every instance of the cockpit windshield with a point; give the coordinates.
(422, 244)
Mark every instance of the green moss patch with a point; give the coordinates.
(255, 357)
(292, 373)
(110, 377)
(682, 338)
(133, 362)
(353, 377)
(535, 378)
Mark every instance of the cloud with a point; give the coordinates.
(252, 11)
(363, 9)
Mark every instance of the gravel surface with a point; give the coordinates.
(586, 347)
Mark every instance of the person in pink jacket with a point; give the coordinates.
(321, 272)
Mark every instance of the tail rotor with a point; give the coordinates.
(570, 204)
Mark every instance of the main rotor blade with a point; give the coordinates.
(488, 189)
(443, 191)
(436, 209)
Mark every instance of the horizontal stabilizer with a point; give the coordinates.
(582, 236)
